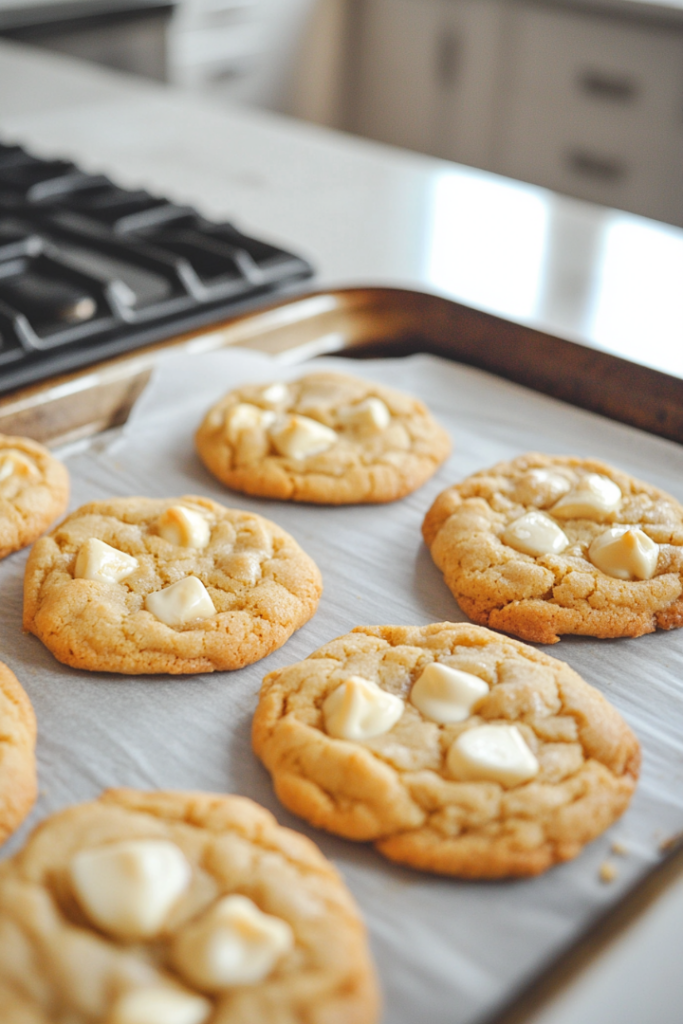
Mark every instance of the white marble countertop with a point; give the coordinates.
(367, 214)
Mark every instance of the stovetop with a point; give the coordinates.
(89, 270)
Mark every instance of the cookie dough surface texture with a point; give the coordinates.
(57, 964)
(564, 770)
(17, 753)
(326, 438)
(138, 585)
(34, 491)
(473, 531)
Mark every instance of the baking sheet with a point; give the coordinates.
(447, 951)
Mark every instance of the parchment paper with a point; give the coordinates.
(447, 951)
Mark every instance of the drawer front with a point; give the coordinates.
(469, 55)
(215, 14)
(197, 53)
(427, 75)
(396, 91)
(595, 108)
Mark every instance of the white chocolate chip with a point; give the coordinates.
(275, 394)
(234, 943)
(370, 414)
(594, 497)
(202, 510)
(160, 1005)
(297, 437)
(182, 602)
(540, 487)
(99, 561)
(360, 709)
(15, 463)
(245, 416)
(548, 481)
(128, 889)
(492, 753)
(445, 694)
(625, 552)
(535, 534)
(184, 527)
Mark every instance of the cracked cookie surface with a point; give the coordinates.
(261, 587)
(385, 443)
(540, 597)
(398, 790)
(17, 753)
(34, 491)
(56, 964)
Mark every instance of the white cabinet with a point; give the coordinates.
(594, 107)
(580, 101)
(210, 39)
(469, 77)
(395, 93)
(427, 74)
(244, 50)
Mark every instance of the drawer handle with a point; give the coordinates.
(447, 59)
(225, 75)
(598, 168)
(613, 88)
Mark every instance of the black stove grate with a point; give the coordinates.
(89, 270)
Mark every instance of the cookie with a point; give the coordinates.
(137, 585)
(17, 753)
(34, 491)
(327, 438)
(452, 748)
(185, 907)
(545, 545)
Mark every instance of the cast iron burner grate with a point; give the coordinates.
(89, 270)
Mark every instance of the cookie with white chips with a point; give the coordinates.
(178, 908)
(452, 748)
(17, 753)
(34, 491)
(545, 545)
(179, 585)
(327, 438)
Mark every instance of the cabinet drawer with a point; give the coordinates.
(204, 51)
(428, 74)
(214, 14)
(396, 90)
(595, 108)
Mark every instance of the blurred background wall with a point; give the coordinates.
(583, 97)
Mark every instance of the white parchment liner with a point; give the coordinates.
(447, 951)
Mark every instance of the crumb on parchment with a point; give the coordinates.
(608, 871)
